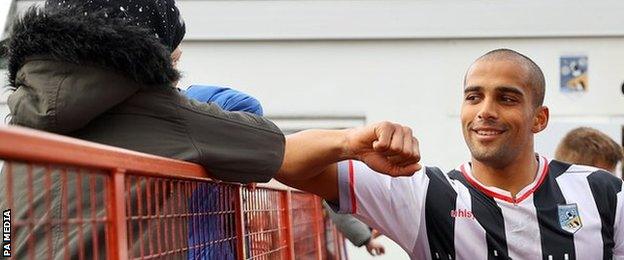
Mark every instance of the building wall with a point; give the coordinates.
(415, 82)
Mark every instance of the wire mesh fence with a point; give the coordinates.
(51, 215)
(58, 207)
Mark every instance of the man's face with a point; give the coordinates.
(498, 116)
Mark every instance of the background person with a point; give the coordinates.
(356, 231)
(203, 228)
(588, 146)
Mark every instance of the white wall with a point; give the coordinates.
(416, 82)
(5, 7)
(400, 19)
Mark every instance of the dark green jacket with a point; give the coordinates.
(113, 95)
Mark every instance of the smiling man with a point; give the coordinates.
(506, 202)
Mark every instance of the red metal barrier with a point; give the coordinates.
(71, 199)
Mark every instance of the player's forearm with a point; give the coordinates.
(310, 159)
(309, 153)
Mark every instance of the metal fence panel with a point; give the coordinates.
(116, 204)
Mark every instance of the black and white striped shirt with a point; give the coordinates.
(568, 212)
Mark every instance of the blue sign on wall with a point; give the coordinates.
(573, 74)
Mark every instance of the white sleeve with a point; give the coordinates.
(618, 226)
(392, 205)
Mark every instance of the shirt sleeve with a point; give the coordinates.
(393, 205)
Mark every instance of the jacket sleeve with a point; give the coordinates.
(60, 97)
(356, 231)
(234, 146)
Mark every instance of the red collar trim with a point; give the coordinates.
(352, 188)
(541, 175)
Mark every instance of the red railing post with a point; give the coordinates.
(287, 221)
(116, 214)
(240, 223)
(318, 216)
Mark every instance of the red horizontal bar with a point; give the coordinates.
(275, 230)
(29, 221)
(19, 143)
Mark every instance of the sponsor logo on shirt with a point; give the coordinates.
(462, 213)
(569, 218)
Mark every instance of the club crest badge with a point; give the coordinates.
(569, 218)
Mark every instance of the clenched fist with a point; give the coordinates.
(385, 147)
